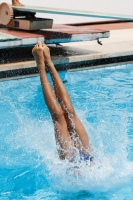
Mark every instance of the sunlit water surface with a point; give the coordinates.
(29, 164)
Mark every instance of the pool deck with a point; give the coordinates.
(115, 49)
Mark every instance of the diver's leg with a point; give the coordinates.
(77, 127)
(61, 132)
(16, 3)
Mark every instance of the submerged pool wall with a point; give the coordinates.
(13, 68)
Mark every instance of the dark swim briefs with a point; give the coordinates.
(82, 157)
(85, 157)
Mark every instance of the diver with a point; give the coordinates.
(16, 3)
(70, 133)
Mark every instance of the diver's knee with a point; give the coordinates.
(69, 109)
(58, 114)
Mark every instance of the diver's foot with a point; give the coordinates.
(46, 54)
(16, 3)
(37, 52)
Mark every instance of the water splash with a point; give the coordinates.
(28, 145)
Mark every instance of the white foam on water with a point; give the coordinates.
(108, 170)
(33, 144)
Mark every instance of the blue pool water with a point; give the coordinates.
(29, 164)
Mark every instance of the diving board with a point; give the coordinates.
(58, 34)
(64, 34)
(7, 37)
(23, 19)
(72, 12)
(12, 38)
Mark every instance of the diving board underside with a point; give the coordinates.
(73, 12)
(58, 34)
(6, 37)
(18, 38)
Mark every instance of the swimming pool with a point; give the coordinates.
(29, 164)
